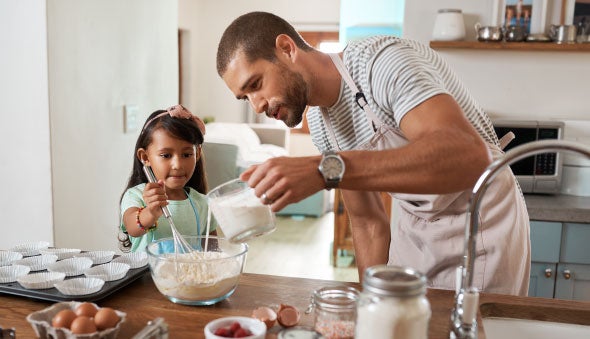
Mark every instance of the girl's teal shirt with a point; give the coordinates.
(184, 216)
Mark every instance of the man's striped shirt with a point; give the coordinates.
(395, 76)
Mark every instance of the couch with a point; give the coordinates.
(230, 148)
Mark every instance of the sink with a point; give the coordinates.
(521, 321)
(503, 328)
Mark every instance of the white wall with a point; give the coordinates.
(25, 168)
(205, 20)
(523, 84)
(68, 67)
(103, 54)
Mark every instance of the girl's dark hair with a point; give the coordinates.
(184, 129)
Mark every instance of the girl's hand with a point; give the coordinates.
(154, 195)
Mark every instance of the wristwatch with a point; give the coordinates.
(332, 169)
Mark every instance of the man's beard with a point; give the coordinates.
(296, 97)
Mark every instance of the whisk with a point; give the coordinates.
(180, 244)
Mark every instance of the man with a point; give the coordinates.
(388, 115)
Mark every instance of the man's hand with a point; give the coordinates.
(285, 180)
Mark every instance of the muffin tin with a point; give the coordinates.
(97, 257)
(8, 257)
(30, 248)
(103, 279)
(79, 286)
(71, 266)
(38, 262)
(108, 272)
(62, 253)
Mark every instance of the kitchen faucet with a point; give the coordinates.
(463, 315)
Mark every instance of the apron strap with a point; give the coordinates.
(359, 98)
(506, 139)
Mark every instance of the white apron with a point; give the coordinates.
(428, 231)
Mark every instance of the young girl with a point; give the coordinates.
(170, 142)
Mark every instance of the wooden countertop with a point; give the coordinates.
(142, 302)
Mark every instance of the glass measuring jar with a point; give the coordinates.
(239, 213)
(334, 311)
(393, 304)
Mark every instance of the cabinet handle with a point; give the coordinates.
(548, 272)
(567, 274)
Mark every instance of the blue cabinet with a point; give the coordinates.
(542, 282)
(560, 266)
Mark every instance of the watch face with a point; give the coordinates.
(332, 167)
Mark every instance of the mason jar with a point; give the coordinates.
(334, 311)
(392, 304)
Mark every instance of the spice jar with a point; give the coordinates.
(334, 311)
(393, 304)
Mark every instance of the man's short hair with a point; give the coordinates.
(255, 34)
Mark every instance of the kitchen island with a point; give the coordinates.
(142, 303)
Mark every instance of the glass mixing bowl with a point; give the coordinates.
(197, 278)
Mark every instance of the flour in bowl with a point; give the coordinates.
(197, 275)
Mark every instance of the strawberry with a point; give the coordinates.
(235, 326)
(223, 332)
(242, 332)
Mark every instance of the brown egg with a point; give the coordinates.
(83, 325)
(63, 318)
(265, 314)
(105, 318)
(86, 309)
(288, 315)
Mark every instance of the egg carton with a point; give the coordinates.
(41, 323)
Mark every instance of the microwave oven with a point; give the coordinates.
(539, 173)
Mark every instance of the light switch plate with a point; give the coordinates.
(130, 118)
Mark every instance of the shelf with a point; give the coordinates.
(513, 46)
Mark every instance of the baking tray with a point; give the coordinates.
(52, 294)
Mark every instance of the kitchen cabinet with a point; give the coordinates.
(560, 266)
(545, 244)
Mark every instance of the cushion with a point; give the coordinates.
(233, 133)
(260, 154)
(250, 150)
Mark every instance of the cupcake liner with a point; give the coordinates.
(9, 274)
(41, 323)
(98, 257)
(40, 281)
(62, 253)
(8, 257)
(71, 266)
(79, 286)
(134, 259)
(108, 272)
(30, 248)
(37, 263)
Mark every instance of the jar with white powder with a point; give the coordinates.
(392, 304)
